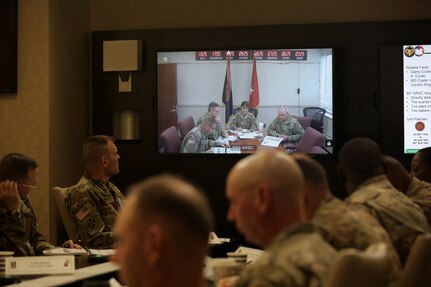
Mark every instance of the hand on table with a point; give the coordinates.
(70, 244)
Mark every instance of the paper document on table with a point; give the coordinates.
(65, 251)
(246, 135)
(75, 251)
(222, 140)
(216, 149)
(102, 252)
(232, 138)
(234, 149)
(271, 141)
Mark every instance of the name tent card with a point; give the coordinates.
(39, 265)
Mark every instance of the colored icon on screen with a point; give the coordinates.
(409, 51)
(419, 126)
(419, 51)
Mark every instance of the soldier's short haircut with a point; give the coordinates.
(313, 172)
(94, 147)
(425, 155)
(209, 120)
(212, 105)
(245, 104)
(178, 203)
(15, 166)
(361, 157)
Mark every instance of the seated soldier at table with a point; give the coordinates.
(18, 224)
(213, 110)
(197, 141)
(287, 127)
(243, 120)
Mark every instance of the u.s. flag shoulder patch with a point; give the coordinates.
(83, 212)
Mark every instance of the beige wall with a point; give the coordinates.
(48, 118)
(69, 87)
(24, 116)
(145, 14)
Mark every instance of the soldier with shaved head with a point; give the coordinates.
(265, 192)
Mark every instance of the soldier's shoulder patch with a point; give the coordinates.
(83, 212)
(191, 141)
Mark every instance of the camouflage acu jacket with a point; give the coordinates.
(247, 121)
(20, 233)
(298, 257)
(420, 193)
(346, 226)
(93, 206)
(402, 219)
(289, 127)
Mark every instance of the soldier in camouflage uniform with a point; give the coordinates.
(196, 140)
(95, 202)
(244, 119)
(286, 127)
(418, 191)
(213, 110)
(362, 170)
(340, 224)
(265, 192)
(421, 165)
(18, 224)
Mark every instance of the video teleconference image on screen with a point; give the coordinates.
(242, 101)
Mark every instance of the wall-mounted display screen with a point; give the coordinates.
(417, 97)
(258, 98)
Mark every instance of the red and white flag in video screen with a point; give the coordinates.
(254, 90)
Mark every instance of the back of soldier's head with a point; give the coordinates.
(94, 147)
(425, 156)
(208, 120)
(361, 159)
(314, 174)
(176, 205)
(15, 166)
(273, 168)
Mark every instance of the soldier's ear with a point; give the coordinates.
(263, 198)
(154, 244)
(104, 161)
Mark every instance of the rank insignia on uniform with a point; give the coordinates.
(81, 214)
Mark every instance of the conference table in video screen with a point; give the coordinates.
(243, 143)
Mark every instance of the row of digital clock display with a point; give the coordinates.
(276, 55)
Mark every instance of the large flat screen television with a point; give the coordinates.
(297, 80)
